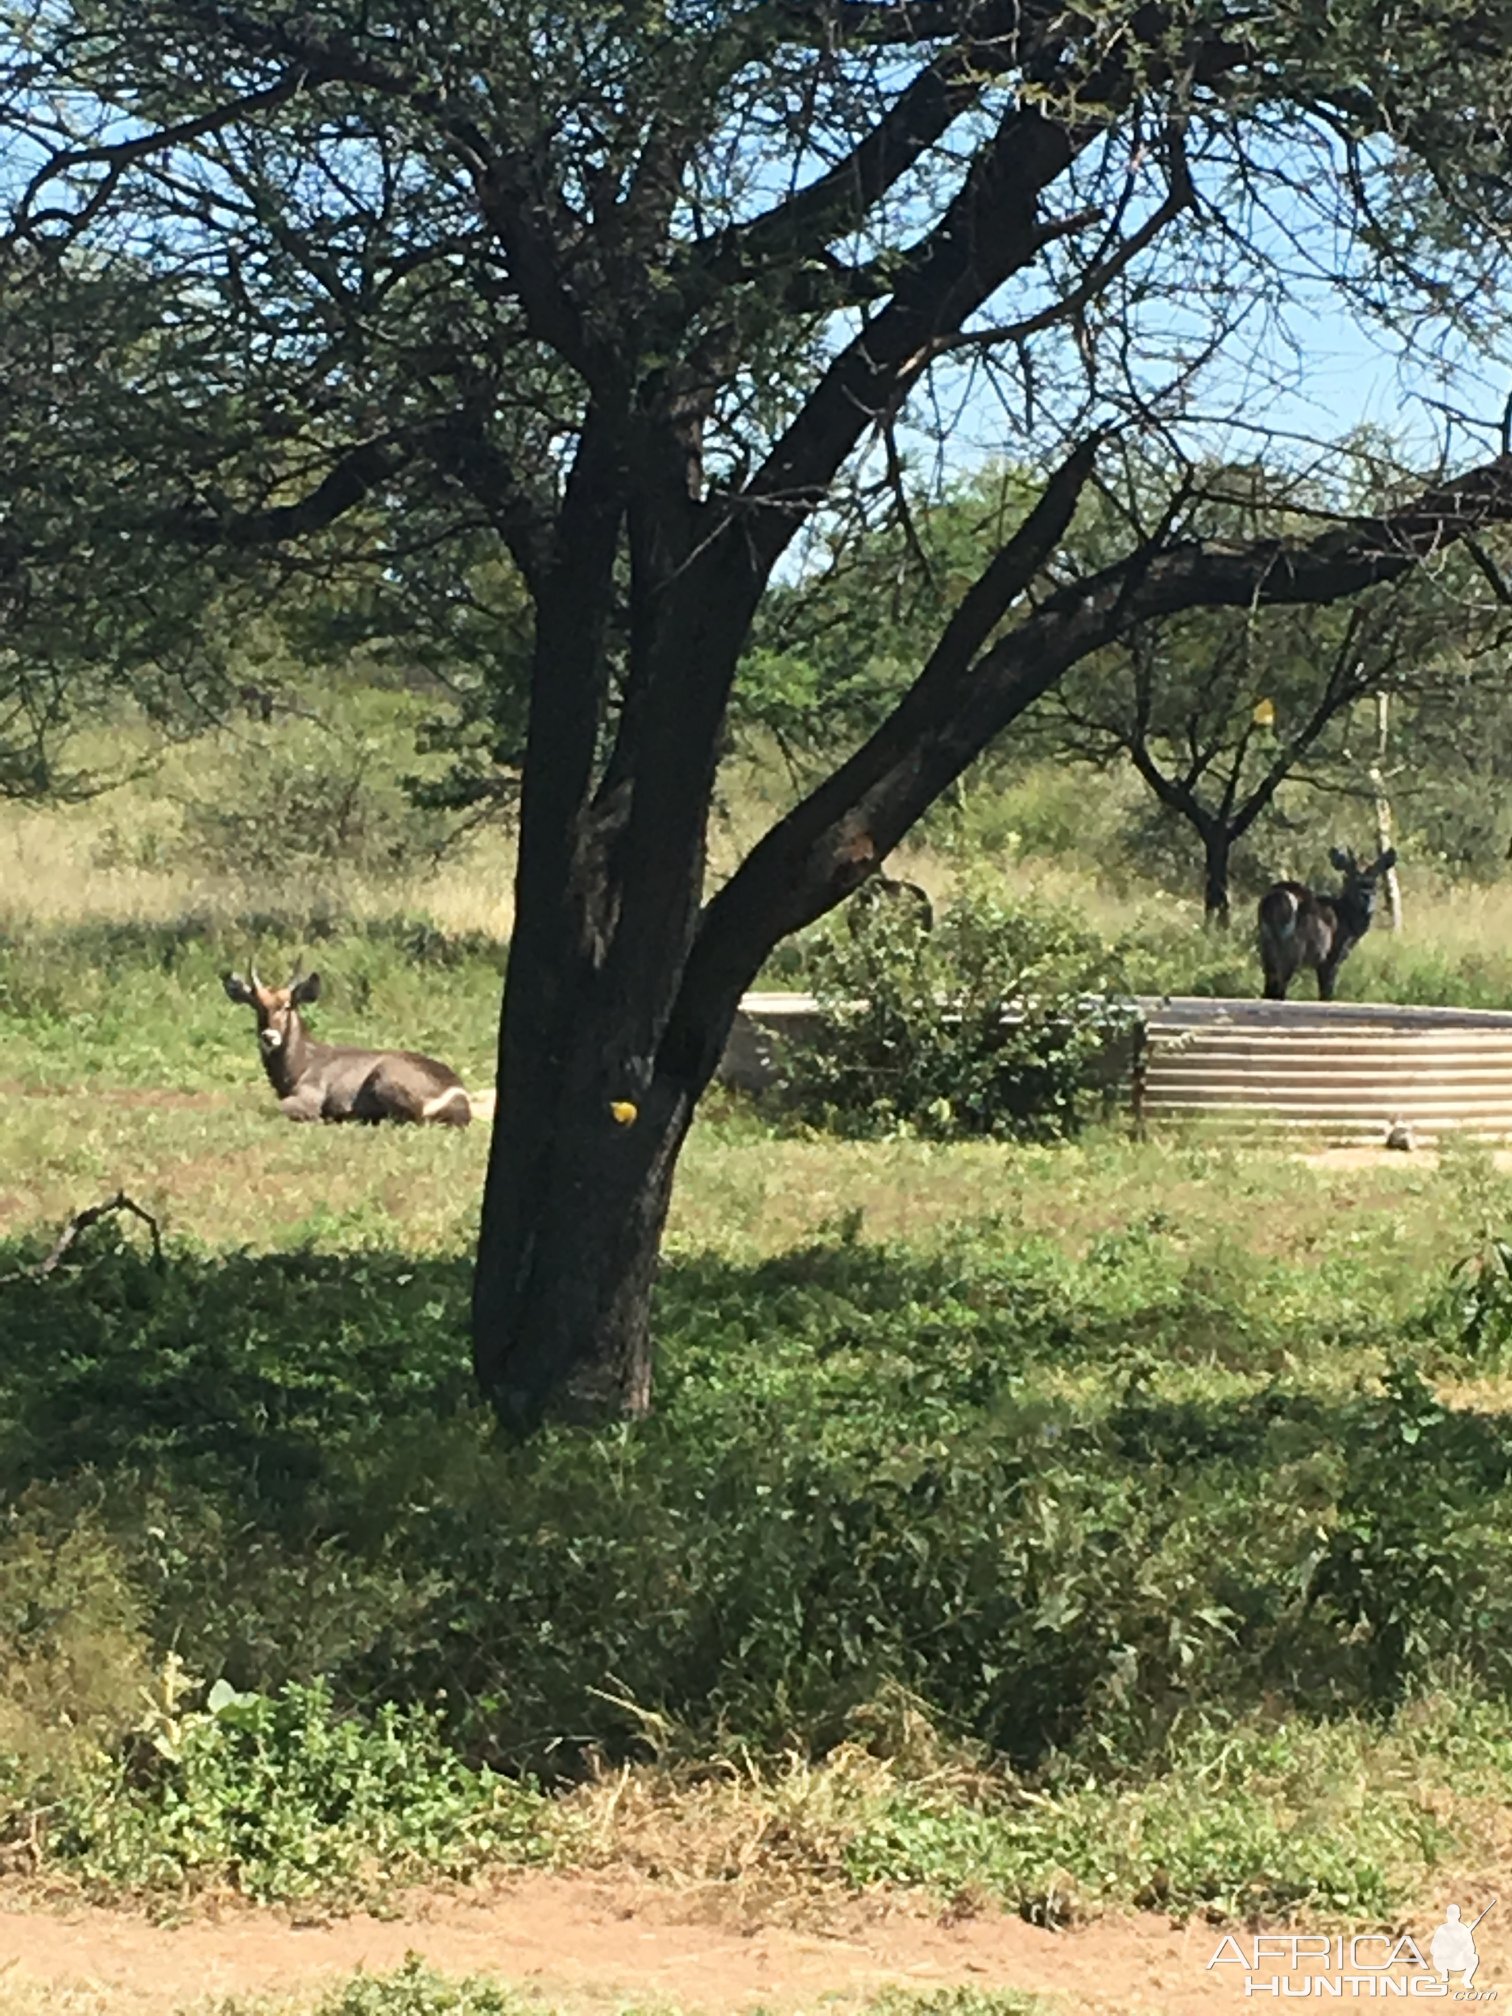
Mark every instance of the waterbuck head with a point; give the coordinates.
(280, 1032)
(1355, 902)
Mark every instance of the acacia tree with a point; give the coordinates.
(638, 291)
(1217, 714)
(1221, 710)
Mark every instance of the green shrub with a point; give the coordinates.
(1472, 1309)
(307, 807)
(280, 1796)
(75, 1656)
(870, 1466)
(417, 1990)
(913, 1033)
(1418, 1563)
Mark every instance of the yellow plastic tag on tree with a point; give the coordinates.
(1265, 714)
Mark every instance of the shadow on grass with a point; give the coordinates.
(258, 1374)
(862, 1475)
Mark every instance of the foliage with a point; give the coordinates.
(912, 1023)
(307, 815)
(1474, 1308)
(282, 1796)
(834, 649)
(964, 1470)
(1412, 1563)
(417, 1990)
(74, 1652)
(888, 1491)
(605, 318)
(1227, 715)
(1097, 1450)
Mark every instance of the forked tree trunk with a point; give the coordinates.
(619, 994)
(594, 1100)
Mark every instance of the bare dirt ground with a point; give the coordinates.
(588, 1943)
(1377, 1158)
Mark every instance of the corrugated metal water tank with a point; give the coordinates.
(1345, 1072)
(1341, 1071)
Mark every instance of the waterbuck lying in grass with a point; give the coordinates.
(324, 1081)
(1299, 929)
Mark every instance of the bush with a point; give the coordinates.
(74, 1651)
(417, 1990)
(282, 1796)
(308, 808)
(913, 1034)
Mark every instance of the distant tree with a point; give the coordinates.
(1221, 711)
(1219, 715)
(641, 293)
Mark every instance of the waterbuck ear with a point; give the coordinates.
(237, 988)
(305, 990)
(1342, 859)
(1387, 860)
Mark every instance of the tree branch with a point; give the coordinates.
(811, 860)
(358, 472)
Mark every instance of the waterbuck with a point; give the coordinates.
(325, 1081)
(1299, 929)
(880, 896)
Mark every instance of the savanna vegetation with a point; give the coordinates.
(553, 349)
(1071, 1522)
(541, 509)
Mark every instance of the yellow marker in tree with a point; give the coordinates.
(624, 1111)
(1265, 714)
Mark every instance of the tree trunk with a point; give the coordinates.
(595, 1096)
(578, 1187)
(1383, 809)
(1216, 843)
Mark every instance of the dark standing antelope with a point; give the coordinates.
(1299, 929)
(324, 1081)
(880, 894)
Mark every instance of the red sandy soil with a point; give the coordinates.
(577, 1942)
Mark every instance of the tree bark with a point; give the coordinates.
(572, 1231)
(1216, 844)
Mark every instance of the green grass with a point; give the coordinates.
(1164, 1488)
(418, 1990)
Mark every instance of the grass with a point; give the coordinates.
(176, 851)
(416, 1989)
(1072, 1526)
(1170, 1418)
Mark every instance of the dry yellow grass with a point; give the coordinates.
(55, 869)
(121, 857)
